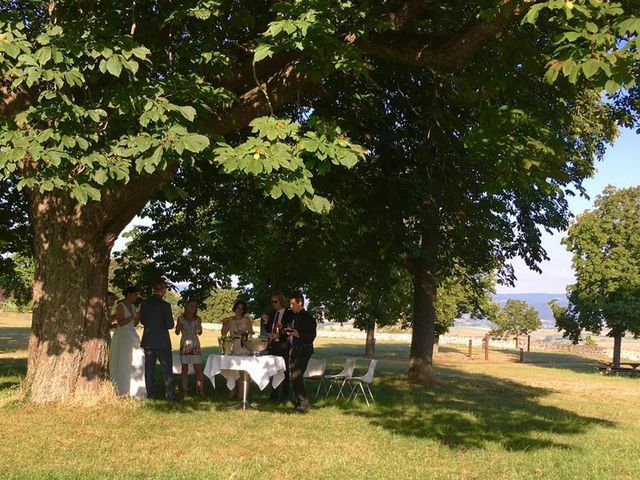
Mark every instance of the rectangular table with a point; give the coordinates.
(260, 369)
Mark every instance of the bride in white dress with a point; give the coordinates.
(126, 358)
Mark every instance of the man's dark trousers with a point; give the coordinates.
(299, 360)
(281, 349)
(166, 364)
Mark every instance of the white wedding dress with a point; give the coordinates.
(126, 360)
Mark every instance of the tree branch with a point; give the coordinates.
(451, 53)
(283, 88)
(13, 102)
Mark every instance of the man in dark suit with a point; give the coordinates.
(274, 326)
(303, 333)
(156, 316)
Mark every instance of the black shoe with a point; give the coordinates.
(303, 410)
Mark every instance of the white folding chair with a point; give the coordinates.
(347, 371)
(364, 381)
(315, 371)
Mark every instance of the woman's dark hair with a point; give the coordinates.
(238, 303)
(130, 289)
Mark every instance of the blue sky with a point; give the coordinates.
(620, 168)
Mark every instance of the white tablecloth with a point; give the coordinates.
(260, 369)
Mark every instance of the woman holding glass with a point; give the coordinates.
(237, 325)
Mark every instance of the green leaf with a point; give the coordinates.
(317, 204)
(187, 112)
(43, 55)
(195, 143)
(571, 36)
(611, 87)
(349, 159)
(263, 51)
(254, 165)
(100, 177)
(114, 66)
(94, 115)
(590, 68)
(46, 186)
(11, 49)
(288, 190)
(532, 15)
(276, 191)
(141, 52)
(552, 74)
(310, 144)
(92, 192)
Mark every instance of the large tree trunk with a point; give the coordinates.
(370, 346)
(423, 274)
(68, 349)
(424, 318)
(617, 349)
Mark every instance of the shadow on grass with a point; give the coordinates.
(463, 411)
(12, 372)
(13, 338)
(389, 351)
(557, 360)
(454, 355)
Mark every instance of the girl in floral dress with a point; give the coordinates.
(190, 326)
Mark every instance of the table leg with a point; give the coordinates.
(244, 391)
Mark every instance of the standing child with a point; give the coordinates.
(190, 326)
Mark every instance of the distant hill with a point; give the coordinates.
(539, 301)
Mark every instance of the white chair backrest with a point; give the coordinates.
(348, 368)
(315, 367)
(368, 377)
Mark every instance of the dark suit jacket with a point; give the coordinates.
(156, 316)
(285, 321)
(306, 325)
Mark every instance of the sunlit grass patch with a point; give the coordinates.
(552, 418)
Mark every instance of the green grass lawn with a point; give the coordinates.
(553, 417)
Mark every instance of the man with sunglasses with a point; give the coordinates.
(275, 328)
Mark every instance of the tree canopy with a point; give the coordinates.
(605, 243)
(106, 104)
(516, 318)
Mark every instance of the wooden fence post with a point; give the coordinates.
(470, 348)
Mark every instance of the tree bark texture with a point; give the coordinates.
(68, 348)
(617, 348)
(423, 274)
(370, 346)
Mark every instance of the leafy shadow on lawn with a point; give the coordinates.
(13, 338)
(12, 371)
(557, 360)
(468, 410)
(390, 351)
